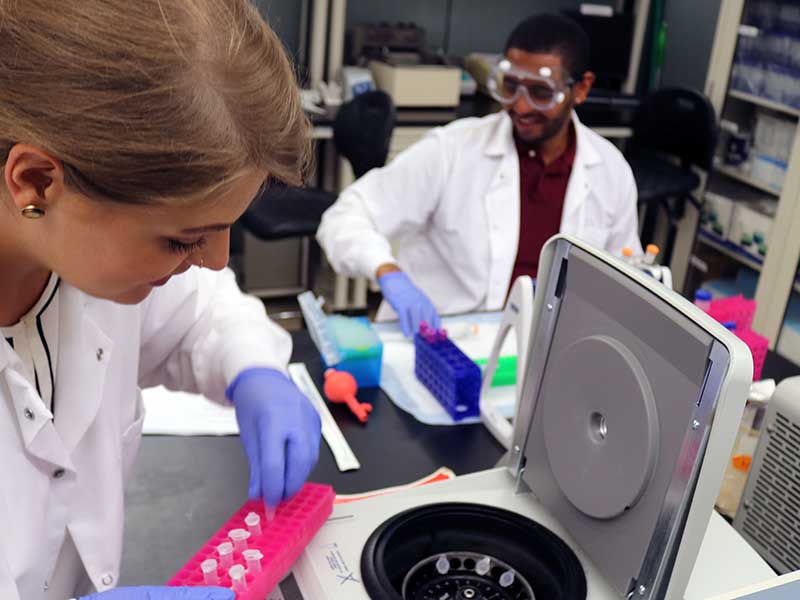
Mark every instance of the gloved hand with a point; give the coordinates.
(410, 304)
(163, 593)
(279, 429)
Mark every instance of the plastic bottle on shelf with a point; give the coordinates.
(650, 254)
(702, 300)
(627, 255)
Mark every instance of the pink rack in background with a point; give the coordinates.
(741, 310)
(250, 554)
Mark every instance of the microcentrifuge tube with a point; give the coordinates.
(225, 551)
(483, 566)
(506, 579)
(269, 512)
(253, 558)
(238, 582)
(442, 565)
(209, 568)
(253, 522)
(239, 539)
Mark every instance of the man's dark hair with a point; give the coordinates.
(553, 34)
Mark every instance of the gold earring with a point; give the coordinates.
(201, 262)
(32, 212)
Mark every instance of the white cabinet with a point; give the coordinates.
(748, 239)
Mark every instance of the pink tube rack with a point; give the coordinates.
(738, 309)
(281, 542)
(758, 345)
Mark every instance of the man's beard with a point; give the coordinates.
(551, 127)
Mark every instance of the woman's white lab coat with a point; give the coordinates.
(450, 205)
(196, 334)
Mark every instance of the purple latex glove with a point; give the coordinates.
(163, 593)
(410, 304)
(279, 429)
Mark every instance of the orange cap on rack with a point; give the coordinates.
(652, 249)
(627, 252)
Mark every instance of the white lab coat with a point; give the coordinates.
(450, 204)
(196, 334)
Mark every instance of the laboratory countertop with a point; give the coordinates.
(184, 488)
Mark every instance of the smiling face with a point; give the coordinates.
(531, 124)
(115, 251)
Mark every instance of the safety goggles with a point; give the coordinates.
(543, 91)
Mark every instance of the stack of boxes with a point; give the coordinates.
(738, 218)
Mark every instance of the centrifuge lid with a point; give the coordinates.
(619, 393)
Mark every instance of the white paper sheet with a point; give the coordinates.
(179, 413)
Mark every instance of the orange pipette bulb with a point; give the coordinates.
(341, 387)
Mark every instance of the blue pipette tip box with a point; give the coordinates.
(359, 347)
(449, 374)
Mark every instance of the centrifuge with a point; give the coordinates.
(630, 403)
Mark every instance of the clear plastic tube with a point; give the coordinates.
(702, 300)
(253, 522)
(253, 558)
(225, 551)
(209, 569)
(238, 581)
(239, 538)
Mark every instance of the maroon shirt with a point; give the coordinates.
(541, 194)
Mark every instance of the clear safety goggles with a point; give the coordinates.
(543, 90)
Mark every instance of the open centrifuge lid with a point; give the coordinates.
(623, 383)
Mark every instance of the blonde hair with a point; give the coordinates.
(149, 100)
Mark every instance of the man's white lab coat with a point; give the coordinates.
(196, 334)
(450, 204)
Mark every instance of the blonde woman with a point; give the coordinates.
(132, 135)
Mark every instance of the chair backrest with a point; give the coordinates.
(362, 130)
(677, 121)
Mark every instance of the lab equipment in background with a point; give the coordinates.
(341, 387)
(355, 81)
(766, 64)
(735, 478)
(280, 543)
(517, 315)
(648, 264)
(506, 372)
(599, 391)
(346, 343)
(737, 308)
(738, 217)
(449, 374)
(738, 311)
(418, 85)
(737, 149)
(767, 516)
(402, 67)
(784, 587)
(702, 300)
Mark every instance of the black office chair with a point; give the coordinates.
(362, 131)
(673, 130)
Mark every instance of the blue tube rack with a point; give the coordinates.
(449, 374)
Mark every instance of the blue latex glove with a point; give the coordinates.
(410, 304)
(279, 429)
(163, 593)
